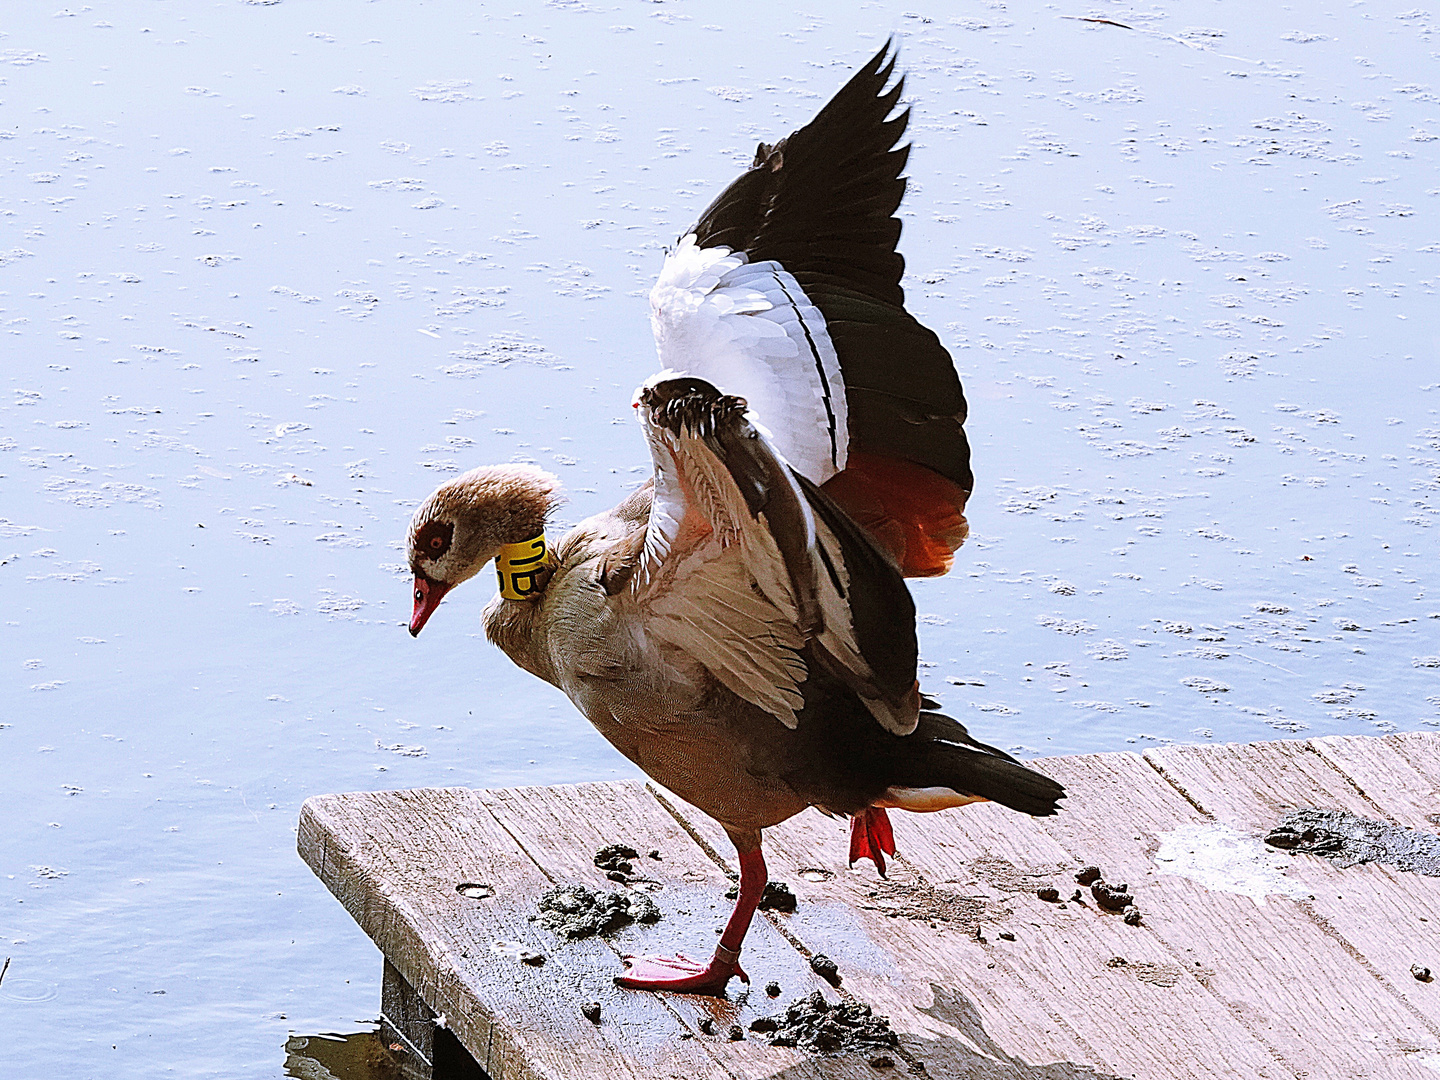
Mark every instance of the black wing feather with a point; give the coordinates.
(882, 610)
(821, 202)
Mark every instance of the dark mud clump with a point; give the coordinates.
(826, 968)
(1349, 839)
(614, 859)
(776, 897)
(814, 1025)
(1112, 897)
(575, 912)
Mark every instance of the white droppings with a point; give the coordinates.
(1220, 859)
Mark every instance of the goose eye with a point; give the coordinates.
(434, 538)
(419, 596)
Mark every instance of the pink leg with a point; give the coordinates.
(871, 837)
(682, 975)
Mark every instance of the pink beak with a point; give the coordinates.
(428, 595)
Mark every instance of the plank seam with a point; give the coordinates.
(715, 857)
(1324, 924)
(1355, 784)
(1311, 748)
(1175, 783)
(610, 944)
(1318, 920)
(1360, 958)
(1230, 1007)
(915, 1065)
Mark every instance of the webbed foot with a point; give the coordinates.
(679, 974)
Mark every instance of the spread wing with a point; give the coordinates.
(752, 571)
(787, 293)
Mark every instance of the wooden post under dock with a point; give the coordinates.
(979, 976)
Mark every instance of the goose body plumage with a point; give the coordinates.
(739, 626)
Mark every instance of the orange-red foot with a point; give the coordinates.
(871, 837)
(679, 974)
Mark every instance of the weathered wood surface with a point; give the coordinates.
(1212, 983)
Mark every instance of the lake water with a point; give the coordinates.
(270, 271)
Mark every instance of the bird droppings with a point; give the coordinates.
(1006, 935)
(826, 968)
(772, 989)
(707, 1026)
(923, 902)
(1421, 973)
(1349, 839)
(1131, 915)
(736, 1033)
(776, 897)
(1165, 975)
(1223, 860)
(574, 912)
(1049, 894)
(591, 1011)
(814, 1025)
(1112, 897)
(614, 859)
(532, 958)
(1088, 876)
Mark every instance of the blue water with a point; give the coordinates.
(269, 272)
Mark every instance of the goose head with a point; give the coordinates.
(465, 522)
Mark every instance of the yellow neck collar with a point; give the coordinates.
(524, 568)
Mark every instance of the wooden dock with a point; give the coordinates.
(979, 976)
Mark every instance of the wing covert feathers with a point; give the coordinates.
(762, 565)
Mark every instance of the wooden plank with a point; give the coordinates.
(562, 827)
(1031, 1003)
(1388, 919)
(1233, 987)
(1400, 774)
(395, 858)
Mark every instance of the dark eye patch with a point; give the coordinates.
(433, 539)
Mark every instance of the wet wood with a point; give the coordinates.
(1386, 918)
(1211, 983)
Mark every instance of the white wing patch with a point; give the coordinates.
(749, 329)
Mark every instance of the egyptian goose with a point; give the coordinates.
(729, 627)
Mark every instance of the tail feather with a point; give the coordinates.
(943, 754)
